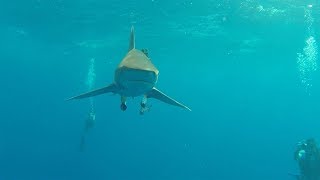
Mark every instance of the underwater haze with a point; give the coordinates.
(248, 69)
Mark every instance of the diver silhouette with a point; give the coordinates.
(89, 124)
(307, 155)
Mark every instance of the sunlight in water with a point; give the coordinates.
(307, 60)
(91, 77)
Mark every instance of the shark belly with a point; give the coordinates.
(134, 82)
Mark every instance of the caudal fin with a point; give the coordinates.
(155, 93)
(132, 39)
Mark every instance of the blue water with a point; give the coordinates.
(246, 68)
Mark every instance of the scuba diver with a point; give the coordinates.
(89, 124)
(90, 121)
(307, 155)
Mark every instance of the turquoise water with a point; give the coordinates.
(247, 69)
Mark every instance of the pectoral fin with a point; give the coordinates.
(155, 93)
(111, 88)
(296, 176)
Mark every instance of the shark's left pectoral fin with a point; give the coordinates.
(155, 93)
(112, 88)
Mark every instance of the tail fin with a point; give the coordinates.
(132, 39)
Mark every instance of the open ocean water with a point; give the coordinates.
(248, 69)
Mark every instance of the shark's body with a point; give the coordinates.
(134, 76)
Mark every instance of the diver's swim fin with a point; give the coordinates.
(111, 88)
(155, 93)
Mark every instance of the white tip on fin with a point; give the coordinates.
(132, 39)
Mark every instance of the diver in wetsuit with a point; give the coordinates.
(91, 118)
(307, 155)
(89, 124)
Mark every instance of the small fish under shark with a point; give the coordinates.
(134, 76)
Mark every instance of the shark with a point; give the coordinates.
(135, 76)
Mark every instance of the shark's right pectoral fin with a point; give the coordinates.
(112, 88)
(155, 93)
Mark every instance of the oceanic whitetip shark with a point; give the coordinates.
(134, 76)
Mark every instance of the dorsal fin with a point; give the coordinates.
(132, 39)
